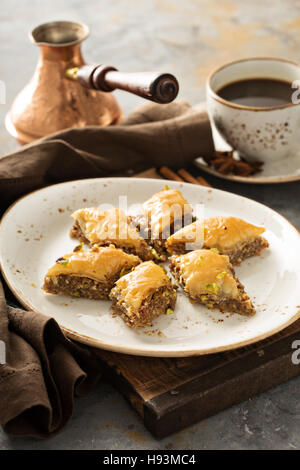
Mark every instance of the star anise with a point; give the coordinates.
(228, 163)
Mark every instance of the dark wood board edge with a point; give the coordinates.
(210, 393)
(166, 373)
(220, 389)
(124, 387)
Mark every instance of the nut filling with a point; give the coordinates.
(246, 250)
(152, 306)
(144, 252)
(143, 226)
(79, 286)
(236, 256)
(241, 305)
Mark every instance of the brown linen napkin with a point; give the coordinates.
(42, 373)
(153, 135)
(43, 369)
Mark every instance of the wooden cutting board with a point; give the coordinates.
(171, 394)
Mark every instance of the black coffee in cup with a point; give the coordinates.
(258, 92)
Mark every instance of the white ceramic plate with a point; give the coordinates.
(34, 233)
(282, 171)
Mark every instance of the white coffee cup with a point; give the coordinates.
(258, 133)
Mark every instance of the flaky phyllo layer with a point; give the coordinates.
(229, 235)
(84, 272)
(163, 214)
(163, 209)
(98, 227)
(143, 294)
(209, 278)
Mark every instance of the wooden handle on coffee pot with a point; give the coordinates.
(154, 86)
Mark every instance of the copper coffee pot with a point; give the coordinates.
(65, 92)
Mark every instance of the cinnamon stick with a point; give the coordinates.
(184, 176)
(190, 179)
(203, 182)
(169, 174)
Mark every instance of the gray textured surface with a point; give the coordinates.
(187, 38)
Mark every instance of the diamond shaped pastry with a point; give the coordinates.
(209, 278)
(231, 236)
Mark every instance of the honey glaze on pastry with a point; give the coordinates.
(202, 268)
(229, 235)
(100, 227)
(143, 294)
(226, 232)
(97, 263)
(209, 278)
(139, 283)
(89, 274)
(163, 208)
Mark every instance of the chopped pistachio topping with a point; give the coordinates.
(194, 218)
(169, 311)
(78, 247)
(212, 287)
(220, 275)
(164, 269)
(62, 261)
(155, 254)
(215, 250)
(198, 261)
(123, 271)
(166, 187)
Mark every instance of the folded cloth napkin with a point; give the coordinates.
(153, 135)
(43, 370)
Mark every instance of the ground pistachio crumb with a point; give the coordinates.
(212, 287)
(155, 254)
(62, 261)
(220, 275)
(78, 247)
(169, 311)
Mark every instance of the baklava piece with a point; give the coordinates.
(208, 278)
(143, 294)
(229, 236)
(163, 214)
(101, 228)
(189, 238)
(91, 273)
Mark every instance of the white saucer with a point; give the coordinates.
(282, 171)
